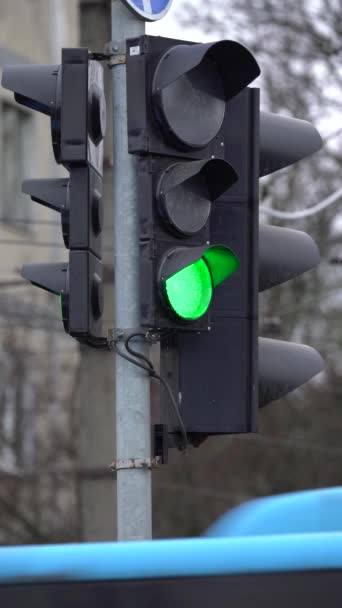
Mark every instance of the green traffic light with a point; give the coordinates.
(189, 291)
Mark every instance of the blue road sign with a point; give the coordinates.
(149, 10)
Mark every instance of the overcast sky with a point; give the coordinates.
(169, 26)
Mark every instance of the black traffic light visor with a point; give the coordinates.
(185, 192)
(284, 254)
(217, 257)
(236, 64)
(283, 366)
(34, 86)
(284, 141)
(191, 86)
(51, 277)
(50, 192)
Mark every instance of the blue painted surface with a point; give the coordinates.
(300, 512)
(152, 9)
(157, 6)
(293, 532)
(170, 558)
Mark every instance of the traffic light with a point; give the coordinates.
(197, 226)
(175, 126)
(283, 255)
(202, 145)
(72, 94)
(224, 376)
(215, 374)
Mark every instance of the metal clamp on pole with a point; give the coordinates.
(137, 334)
(117, 59)
(116, 54)
(135, 463)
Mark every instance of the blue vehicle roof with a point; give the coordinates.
(170, 558)
(252, 539)
(296, 513)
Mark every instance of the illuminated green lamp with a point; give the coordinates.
(188, 291)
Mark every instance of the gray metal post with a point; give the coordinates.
(133, 420)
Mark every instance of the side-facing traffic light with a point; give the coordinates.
(72, 95)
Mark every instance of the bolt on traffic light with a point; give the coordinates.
(72, 94)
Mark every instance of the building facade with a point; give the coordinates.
(38, 362)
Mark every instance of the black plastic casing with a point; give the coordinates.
(215, 373)
(84, 158)
(85, 184)
(82, 323)
(74, 144)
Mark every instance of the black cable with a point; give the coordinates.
(175, 407)
(134, 352)
(153, 374)
(130, 359)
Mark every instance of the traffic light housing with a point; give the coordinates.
(215, 373)
(196, 108)
(78, 199)
(223, 377)
(198, 208)
(72, 94)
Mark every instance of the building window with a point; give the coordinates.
(15, 163)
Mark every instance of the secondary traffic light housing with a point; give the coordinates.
(79, 285)
(78, 199)
(72, 94)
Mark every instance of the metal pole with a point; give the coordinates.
(133, 424)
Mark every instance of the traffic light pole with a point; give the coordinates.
(133, 427)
